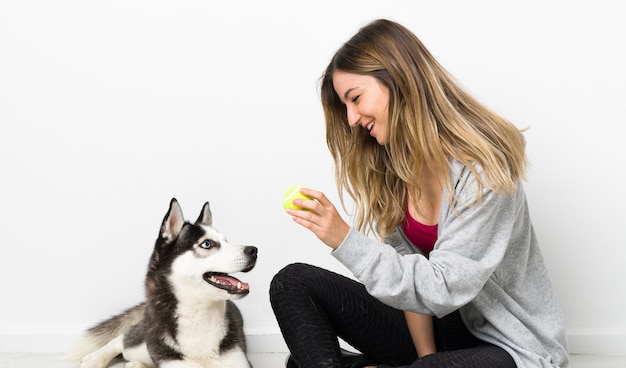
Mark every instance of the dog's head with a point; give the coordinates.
(197, 260)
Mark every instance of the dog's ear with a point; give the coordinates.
(173, 222)
(205, 218)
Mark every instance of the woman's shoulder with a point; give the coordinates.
(461, 175)
(469, 186)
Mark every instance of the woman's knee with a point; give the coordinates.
(289, 278)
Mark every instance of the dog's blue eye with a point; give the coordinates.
(207, 244)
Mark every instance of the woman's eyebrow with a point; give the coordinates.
(345, 95)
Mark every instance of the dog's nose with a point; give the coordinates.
(250, 250)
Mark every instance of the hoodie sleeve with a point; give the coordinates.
(471, 243)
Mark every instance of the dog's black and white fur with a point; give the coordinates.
(188, 319)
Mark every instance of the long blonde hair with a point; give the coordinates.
(431, 118)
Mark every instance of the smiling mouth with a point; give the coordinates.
(226, 282)
(369, 126)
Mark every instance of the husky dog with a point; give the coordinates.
(187, 319)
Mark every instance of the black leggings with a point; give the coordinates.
(314, 307)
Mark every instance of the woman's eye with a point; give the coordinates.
(355, 99)
(207, 244)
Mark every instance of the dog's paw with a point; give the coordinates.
(134, 364)
(93, 360)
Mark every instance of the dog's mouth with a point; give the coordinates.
(226, 282)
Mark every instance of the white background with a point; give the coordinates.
(108, 109)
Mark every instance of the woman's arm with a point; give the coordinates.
(473, 239)
(422, 333)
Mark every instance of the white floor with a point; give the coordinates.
(260, 360)
(26, 360)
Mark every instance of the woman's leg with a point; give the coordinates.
(458, 348)
(451, 333)
(483, 356)
(314, 306)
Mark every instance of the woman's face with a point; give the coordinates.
(366, 100)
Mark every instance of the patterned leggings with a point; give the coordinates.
(314, 307)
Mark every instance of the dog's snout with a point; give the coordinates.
(250, 250)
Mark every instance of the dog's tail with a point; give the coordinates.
(100, 334)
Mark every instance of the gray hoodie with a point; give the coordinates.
(486, 263)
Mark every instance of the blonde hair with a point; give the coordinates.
(431, 118)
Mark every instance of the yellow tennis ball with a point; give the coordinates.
(293, 193)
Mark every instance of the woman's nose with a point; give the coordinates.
(353, 116)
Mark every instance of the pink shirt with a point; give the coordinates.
(422, 236)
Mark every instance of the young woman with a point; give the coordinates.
(437, 176)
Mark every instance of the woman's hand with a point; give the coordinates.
(320, 216)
